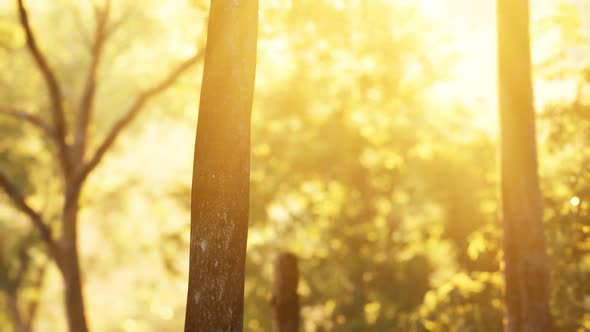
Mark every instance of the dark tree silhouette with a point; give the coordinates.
(285, 300)
(221, 172)
(526, 270)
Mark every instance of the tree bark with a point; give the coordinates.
(74, 299)
(70, 266)
(220, 189)
(285, 300)
(526, 268)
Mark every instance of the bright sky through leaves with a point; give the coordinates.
(373, 159)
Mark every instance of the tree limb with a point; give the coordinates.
(16, 197)
(89, 92)
(132, 112)
(116, 24)
(30, 118)
(57, 107)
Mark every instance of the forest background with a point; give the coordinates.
(374, 138)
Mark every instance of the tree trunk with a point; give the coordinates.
(285, 301)
(526, 268)
(17, 317)
(221, 171)
(70, 267)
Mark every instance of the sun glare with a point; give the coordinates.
(575, 201)
(471, 27)
(432, 8)
(472, 82)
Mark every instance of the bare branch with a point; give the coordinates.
(132, 112)
(87, 101)
(116, 24)
(30, 118)
(16, 197)
(57, 107)
(25, 260)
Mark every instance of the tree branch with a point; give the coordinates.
(57, 107)
(30, 118)
(132, 112)
(16, 197)
(116, 24)
(87, 100)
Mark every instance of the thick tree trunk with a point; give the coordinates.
(70, 269)
(526, 268)
(285, 301)
(220, 190)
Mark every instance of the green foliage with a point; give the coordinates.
(385, 191)
(465, 303)
(567, 194)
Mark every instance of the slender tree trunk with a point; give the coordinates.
(17, 317)
(70, 266)
(526, 268)
(33, 306)
(285, 301)
(220, 189)
(74, 298)
(22, 321)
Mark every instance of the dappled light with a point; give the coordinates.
(375, 191)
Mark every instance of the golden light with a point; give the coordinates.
(575, 201)
(278, 213)
(470, 27)
(432, 8)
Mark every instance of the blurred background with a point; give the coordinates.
(374, 133)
